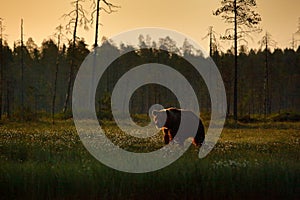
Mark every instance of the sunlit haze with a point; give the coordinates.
(279, 18)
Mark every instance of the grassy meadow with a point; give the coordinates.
(259, 160)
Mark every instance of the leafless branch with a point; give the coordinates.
(110, 8)
(83, 20)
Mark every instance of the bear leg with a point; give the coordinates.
(200, 136)
(166, 136)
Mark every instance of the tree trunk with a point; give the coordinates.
(97, 23)
(235, 112)
(266, 83)
(7, 99)
(70, 80)
(22, 71)
(55, 79)
(1, 70)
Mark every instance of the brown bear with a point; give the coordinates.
(168, 120)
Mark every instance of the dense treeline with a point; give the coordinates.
(39, 74)
(40, 68)
(283, 92)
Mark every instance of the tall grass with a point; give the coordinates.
(41, 161)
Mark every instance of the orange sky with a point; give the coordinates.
(280, 18)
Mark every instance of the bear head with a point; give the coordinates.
(160, 117)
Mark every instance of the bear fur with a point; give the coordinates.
(168, 120)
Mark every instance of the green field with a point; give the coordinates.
(44, 161)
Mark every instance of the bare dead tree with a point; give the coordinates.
(95, 18)
(213, 48)
(1, 66)
(4, 81)
(59, 35)
(76, 17)
(213, 43)
(296, 38)
(95, 15)
(267, 41)
(22, 70)
(245, 20)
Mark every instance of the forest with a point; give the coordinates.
(30, 74)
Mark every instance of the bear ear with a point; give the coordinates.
(154, 112)
(168, 112)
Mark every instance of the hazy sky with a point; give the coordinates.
(191, 17)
